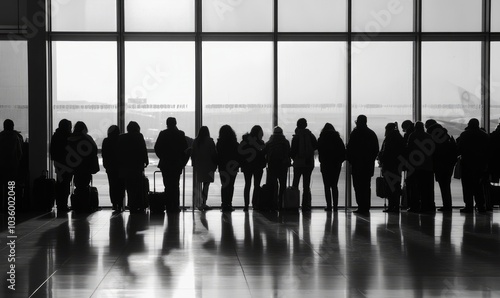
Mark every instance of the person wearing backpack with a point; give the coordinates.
(302, 153)
(444, 160)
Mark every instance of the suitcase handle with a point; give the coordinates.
(154, 180)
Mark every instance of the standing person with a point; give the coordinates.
(494, 165)
(421, 150)
(408, 128)
(277, 153)
(82, 157)
(10, 153)
(302, 152)
(253, 162)
(392, 149)
(228, 163)
(111, 151)
(473, 148)
(58, 153)
(133, 160)
(331, 150)
(444, 160)
(171, 148)
(362, 150)
(204, 159)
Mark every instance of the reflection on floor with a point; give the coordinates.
(215, 254)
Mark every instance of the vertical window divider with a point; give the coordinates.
(50, 91)
(485, 66)
(417, 61)
(198, 66)
(121, 100)
(348, 186)
(275, 64)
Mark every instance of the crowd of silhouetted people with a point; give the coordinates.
(409, 162)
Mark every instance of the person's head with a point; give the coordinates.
(389, 128)
(80, 128)
(430, 123)
(65, 125)
(277, 131)
(171, 122)
(473, 124)
(361, 120)
(226, 133)
(133, 127)
(407, 125)
(257, 132)
(203, 132)
(419, 126)
(113, 131)
(301, 123)
(8, 125)
(328, 127)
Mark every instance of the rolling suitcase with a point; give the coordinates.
(157, 200)
(265, 198)
(291, 201)
(85, 200)
(44, 192)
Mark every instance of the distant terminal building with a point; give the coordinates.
(138, 100)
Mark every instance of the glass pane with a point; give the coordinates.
(237, 90)
(451, 83)
(382, 15)
(451, 91)
(159, 15)
(84, 15)
(14, 84)
(495, 85)
(382, 88)
(84, 85)
(312, 15)
(312, 82)
(495, 15)
(237, 15)
(159, 83)
(451, 15)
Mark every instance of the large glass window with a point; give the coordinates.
(382, 15)
(451, 15)
(495, 85)
(451, 83)
(237, 15)
(14, 84)
(312, 82)
(84, 85)
(312, 16)
(159, 83)
(83, 15)
(237, 85)
(159, 15)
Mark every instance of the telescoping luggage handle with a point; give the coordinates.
(154, 180)
(183, 185)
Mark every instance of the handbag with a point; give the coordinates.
(381, 187)
(457, 172)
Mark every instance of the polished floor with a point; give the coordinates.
(215, 254)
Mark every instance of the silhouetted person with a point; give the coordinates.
(204, 160)
(133, 160)
(494, 163)
(59, 153)
(421, 149)
(277, 152)
(389, 157)
(362, 150)
(444, 160)
(171, 147)
(253, 162)
(10, 157)
(473, 148)
(82, 157)
(302, 153)
(228, 163)
(331, 150)
(408, 128)
(111, 151)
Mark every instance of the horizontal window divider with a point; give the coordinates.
(382, 36)
(13, 36)
(158, 36)
(318, 36)
(84, 36)
(453, 36)
(495, 36)
(246, 36)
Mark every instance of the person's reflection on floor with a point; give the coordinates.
(172, 235)
(117, 234)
